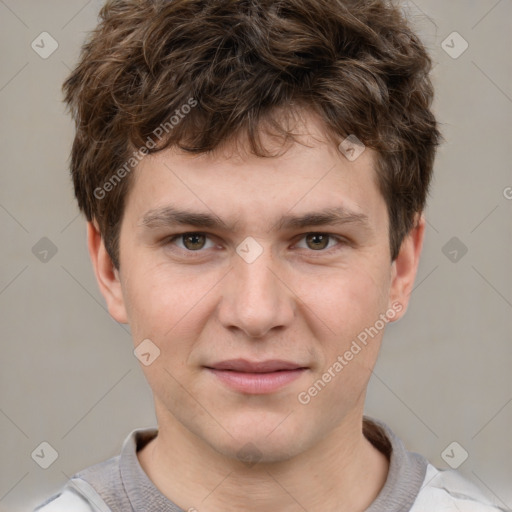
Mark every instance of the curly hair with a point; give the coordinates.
(219, 68)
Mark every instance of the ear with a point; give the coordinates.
(106, 274)
(405, 266)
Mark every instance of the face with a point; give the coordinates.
(233, 257)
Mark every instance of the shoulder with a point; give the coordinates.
(65, 501)
(92, 488)
(81, 491)
(449, 491)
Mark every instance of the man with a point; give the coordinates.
(253, 175)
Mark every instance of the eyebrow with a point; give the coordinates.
(170, 216)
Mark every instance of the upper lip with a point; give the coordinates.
(243, 365)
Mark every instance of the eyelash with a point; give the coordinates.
(341, 242)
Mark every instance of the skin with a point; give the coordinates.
(298, 301)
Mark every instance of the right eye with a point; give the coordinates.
(192, 241)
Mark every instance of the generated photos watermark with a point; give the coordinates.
(355, 348)
(151, 143)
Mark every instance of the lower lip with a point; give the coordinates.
(257, 383)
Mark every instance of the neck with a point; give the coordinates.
(343, 472)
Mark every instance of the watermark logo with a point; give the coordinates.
(44, 45)
(361, 341)
(249, 454)
(137, 156)
(352, 148)
(454, 45)
(146, 352)
(45, 455)
(249, 250)
(44, 250)
(454, 249)
(454, 455)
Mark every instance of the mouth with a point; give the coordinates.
(253, 377)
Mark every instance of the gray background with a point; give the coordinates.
(68, 373)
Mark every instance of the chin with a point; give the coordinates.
(253, 451)
(261, 442)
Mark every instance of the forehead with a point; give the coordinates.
(235, 187)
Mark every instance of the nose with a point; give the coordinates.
(255, 298)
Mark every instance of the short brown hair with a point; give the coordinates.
(355, 63)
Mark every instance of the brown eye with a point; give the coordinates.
(194, 241)
(317, 241)
(190, 242)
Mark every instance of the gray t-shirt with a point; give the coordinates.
(121, 485)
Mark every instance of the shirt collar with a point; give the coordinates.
(405, 477)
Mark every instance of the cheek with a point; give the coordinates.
(165, 305)
(347, 306)
(346, 310)
(347, 301)
(170, 310)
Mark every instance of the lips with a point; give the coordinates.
(245, 366)
(256, 377)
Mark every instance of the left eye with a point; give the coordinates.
(318, 241)
(192, 241)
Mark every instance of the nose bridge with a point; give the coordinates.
(257, 301)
